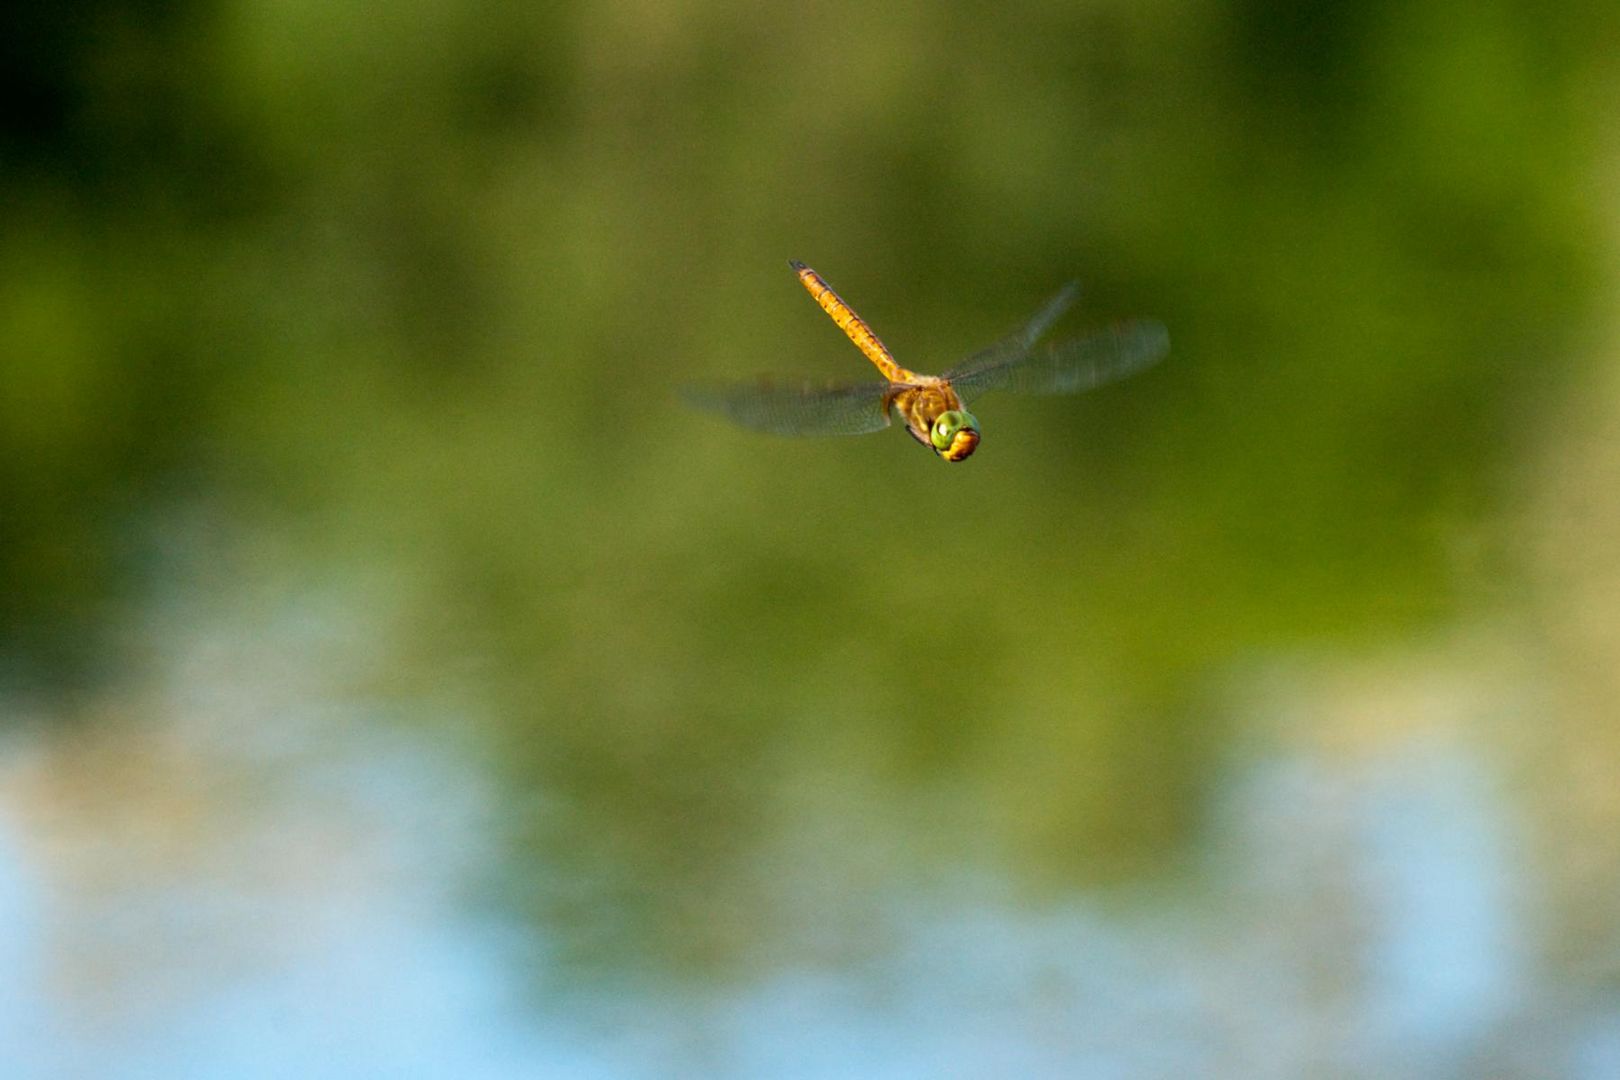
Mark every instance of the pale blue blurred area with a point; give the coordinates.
(1448, 959)
(25, 1037)
(1356, 919)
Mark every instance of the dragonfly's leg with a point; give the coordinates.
(891, 397)
(903, 400)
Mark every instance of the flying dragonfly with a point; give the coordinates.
(933, 406)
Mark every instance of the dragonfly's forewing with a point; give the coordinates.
(1016, 345)
(1065, 367)
(787, 408)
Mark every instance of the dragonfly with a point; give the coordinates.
(933, 407)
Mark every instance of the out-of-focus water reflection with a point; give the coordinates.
(280, 887)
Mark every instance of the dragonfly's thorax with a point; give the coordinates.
(920, 405)
(934, 415)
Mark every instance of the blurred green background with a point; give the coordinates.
(396, 680)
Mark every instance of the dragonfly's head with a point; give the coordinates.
(955, 433)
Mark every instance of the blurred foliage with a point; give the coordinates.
(404, 290)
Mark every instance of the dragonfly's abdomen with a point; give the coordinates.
(853, 326)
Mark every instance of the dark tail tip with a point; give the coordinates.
(796, 264)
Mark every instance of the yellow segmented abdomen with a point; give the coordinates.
(853, 326)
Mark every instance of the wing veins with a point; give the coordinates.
(783, 407)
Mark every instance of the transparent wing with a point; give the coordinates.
(1016, 346)
(1065, 367)
(785, 408)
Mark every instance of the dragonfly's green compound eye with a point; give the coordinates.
(948, 424)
